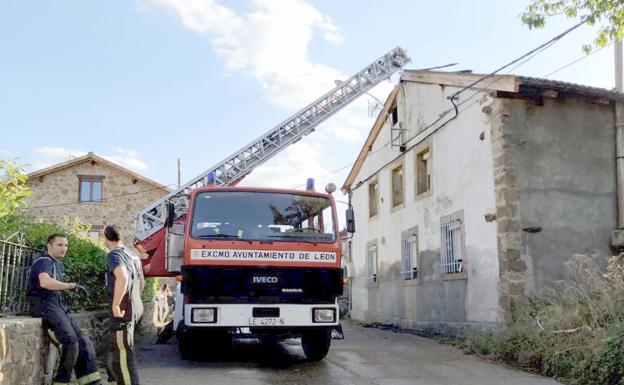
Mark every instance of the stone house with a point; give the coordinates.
(469, 197)
(93, 189)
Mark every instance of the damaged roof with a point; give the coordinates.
(502, 85)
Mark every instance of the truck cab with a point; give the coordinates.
(259, 261)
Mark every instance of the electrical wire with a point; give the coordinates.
(527, 56)
(577, 60)
(531, 52)
(520, 60)
(480, 91)
(102, 200)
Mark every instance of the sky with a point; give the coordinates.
(145, 82)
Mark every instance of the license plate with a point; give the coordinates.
(266, 321)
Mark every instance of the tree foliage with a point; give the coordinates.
(607, 15)
(13, 187)
(84, 263)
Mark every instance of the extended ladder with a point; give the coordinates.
(235, 167)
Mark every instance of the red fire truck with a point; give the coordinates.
(255, 260)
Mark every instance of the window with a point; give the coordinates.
(94, 232)
(371, 261)
(373, 198)
(423, 171)
(394, 116)
(397, 186)
(263, 216)
(452, 236)
(409, 254)
(90, 188)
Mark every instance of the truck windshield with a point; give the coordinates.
(265, 216)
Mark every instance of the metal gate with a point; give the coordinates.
(16, 256)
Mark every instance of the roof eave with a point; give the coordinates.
(372, 136)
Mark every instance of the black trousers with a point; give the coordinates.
(77, 352)
(121, 362)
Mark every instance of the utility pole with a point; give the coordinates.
(619, 77)
(179, 178)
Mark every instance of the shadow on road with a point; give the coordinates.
(283, 355)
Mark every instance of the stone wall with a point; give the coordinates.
(555, 183)
(55, 197)
(21, 351)
(24, 348)
(506, 186)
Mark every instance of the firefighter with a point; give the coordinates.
(45, 286)
(124, 289)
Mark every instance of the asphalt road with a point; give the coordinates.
(365, 356)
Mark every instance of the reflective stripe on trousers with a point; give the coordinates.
(121, 362)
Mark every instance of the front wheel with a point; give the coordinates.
(187, 347)
(316, 344)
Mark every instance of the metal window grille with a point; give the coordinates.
(452, 245)
(409, 254)
(15, 260)
(371, 262)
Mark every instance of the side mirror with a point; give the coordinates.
(350, 220)
(170, 214)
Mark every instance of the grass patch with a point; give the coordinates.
(574, 332)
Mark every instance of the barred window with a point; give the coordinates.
(371, 261)
(452, 236)
(409, 254)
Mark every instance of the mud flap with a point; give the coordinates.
(336, 333)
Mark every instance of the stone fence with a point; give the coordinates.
(24, 347)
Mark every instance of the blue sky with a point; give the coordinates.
(148, 81)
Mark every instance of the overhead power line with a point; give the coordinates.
(104, 199)
(520, 61)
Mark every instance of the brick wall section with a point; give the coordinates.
(511, 267)
(55, 197)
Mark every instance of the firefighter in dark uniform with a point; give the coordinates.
(124, 290)
(44, 295)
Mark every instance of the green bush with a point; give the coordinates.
(574, 333)
(13, 189)
(151, 287)
(84, 263)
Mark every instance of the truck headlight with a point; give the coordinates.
(324, 315)
(204, 315)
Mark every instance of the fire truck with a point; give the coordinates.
(256, 261)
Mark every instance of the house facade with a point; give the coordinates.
(464, 206)
(93, 189)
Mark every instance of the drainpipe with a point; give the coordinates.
(617, 239)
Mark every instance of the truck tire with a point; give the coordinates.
(315, 344)
(200, 346)
(186, 346)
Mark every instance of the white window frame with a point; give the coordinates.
(409, 254)
(452, 239)
(372, 255)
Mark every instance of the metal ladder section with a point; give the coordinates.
(233, 168)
